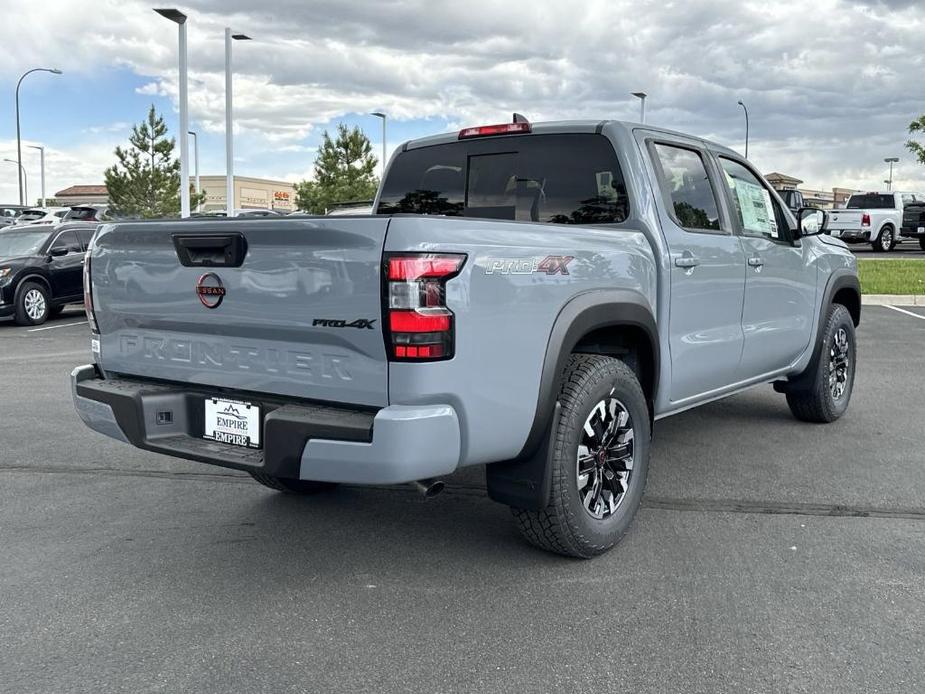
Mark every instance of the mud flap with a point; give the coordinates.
(524, 483)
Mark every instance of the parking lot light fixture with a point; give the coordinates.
(229, 126)
(744, 108)
(642, 105)
(174, 15)
(22, 173)
(890, 161)
(380, 114)
(196, 163)
(41, 150)
(52, 70)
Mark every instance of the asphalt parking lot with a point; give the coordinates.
(769, 556)
(907, 249)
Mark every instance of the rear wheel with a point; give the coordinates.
(281, 484)
(600, 460)
(886, 241)
(32, 304)
(828, 390)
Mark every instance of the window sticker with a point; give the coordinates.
(755, 206)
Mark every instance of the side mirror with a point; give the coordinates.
(57, 252)
(811, 222)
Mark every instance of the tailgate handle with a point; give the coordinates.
(214, 250)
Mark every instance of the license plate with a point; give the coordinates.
(836, 232)
(921, 230)
(232, 421)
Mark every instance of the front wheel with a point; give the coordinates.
(282, 484)
(32, 304)
(826, 394)
(600, 460)
(886, 241)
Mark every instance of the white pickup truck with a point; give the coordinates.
(874, 218)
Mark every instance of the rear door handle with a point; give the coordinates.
(687, 261)
(755, 261)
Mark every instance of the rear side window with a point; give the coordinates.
(871, 201)
(687, 187)
(85, 235)
(557, 179)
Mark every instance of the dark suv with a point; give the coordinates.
(41, 270)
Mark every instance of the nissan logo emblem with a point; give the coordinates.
(210, 289)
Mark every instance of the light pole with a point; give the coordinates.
(379, 114)
(174, 15)
(891, 161)
(229, 128)
(53, 71)
(41, 150)
(196, 163)
(22, 173)
(642, 105)
(746, 128)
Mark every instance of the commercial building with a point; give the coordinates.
(249, 193)
(82, 195)
(823, 199)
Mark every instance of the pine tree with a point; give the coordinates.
(145, 182)
(343, 172)
(918, 149)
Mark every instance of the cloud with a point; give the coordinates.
(830, 84)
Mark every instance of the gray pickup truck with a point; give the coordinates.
(530, 297)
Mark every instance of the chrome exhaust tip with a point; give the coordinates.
(429, 488)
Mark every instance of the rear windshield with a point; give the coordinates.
(32, 214)
(81, 214)
(558, 179)
(871, 201)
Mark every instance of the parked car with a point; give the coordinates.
(42, 215)
(245, 212)
(40, 270)
(86, 213)
(914, 222)
(793, 199)
(874, 218)
(531, 297)
(351, 209)
(9, 213)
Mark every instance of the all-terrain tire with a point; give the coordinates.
(816, 401)
(565, 526)
(288, 486)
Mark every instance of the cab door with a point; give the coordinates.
(780, 280)
(66, 270)
(707, 275)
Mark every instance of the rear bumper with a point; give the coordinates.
(301, 441)
(851, 235)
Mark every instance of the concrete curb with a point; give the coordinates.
(893, 300)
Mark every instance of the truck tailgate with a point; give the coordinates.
(288, 307)
(845, 219)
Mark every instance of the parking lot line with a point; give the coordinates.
(908, 313)
(52, 327)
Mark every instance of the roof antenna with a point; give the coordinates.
(518, 118)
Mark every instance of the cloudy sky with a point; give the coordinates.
(831, 85)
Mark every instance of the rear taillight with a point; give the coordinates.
(419, 326)
(865, 220)
(88, 295)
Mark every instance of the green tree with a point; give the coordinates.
(343, 172)
(917, 148)
(145, 182)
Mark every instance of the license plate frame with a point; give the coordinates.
(232, 422)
